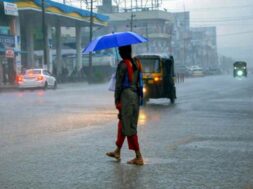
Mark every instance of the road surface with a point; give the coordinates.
(58, 138)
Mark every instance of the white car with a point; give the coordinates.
(197, 72)
(36, 78)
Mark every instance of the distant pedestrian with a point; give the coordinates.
(128, 96)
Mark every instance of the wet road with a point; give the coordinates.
(57, 139)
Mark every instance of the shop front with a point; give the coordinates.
(7, 43)
(7, 58)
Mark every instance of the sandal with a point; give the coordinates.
(136, 161)
(113, 155)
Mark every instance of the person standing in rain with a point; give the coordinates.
(128, 97)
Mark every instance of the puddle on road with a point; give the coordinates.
(153, 161)
(242, 146)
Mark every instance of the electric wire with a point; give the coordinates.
(236, 33)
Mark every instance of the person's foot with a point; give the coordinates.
(136, 161)
(115, 155)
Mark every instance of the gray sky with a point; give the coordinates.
(233, 19)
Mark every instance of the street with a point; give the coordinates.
(58, 138)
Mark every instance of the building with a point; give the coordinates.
(181, 38)
(204, 47)
(156, 25)
(168, 33)
(9, 42)
(193, 46)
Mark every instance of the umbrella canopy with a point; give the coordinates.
(117, 39)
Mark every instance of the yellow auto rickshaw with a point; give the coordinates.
(158, 77)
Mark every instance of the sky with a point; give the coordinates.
(232, 18)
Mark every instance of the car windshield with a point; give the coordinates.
(150, 65)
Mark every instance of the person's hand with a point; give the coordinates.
(118, 106)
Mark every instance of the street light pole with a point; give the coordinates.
(132, 16)
(44, 30)
(147, 37)
(91, 35)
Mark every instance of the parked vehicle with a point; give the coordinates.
(158, 77)
(240, 69)
(197, 72)
(36, 78)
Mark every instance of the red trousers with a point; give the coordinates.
(133, 143)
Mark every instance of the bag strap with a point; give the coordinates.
(129, 69)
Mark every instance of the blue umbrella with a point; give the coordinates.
(117, 39)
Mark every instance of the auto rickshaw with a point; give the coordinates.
(158, 77)
(240, 69)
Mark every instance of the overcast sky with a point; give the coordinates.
(233, 19)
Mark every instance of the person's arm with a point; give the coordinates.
(120, 73)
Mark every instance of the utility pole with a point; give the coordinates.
(131, 21)
(45, 36)
(91, 35)
(132, 17)
(147, 36)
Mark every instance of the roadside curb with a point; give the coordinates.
(7, 88)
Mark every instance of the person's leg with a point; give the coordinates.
(119, 143)
(120, 136)
(133, 144)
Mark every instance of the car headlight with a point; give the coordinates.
(240, 73)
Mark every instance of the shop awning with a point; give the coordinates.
(55, 8)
